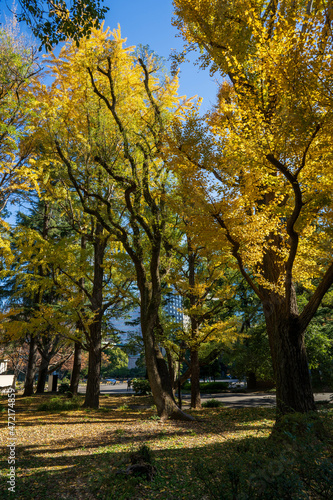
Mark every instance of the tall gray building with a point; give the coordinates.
(131, 325)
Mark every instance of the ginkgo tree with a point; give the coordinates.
(18, 71)
(201, 276)
(35, 310)
(263, 172)
(71, 273)
(98, 280)
(103, 120)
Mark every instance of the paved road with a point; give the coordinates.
(109, 389)
(229, 399)
(252, 399)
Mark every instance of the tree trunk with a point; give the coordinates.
(94, 369)
(75, 378)
(42, 375)
(293, 383)
(158, 375)
(182, 378)
(95, 328)
(195, 367)
(44, 364)
(195, 380)
(251, 381)
(171, 367)
(161, 387)
(31, 368)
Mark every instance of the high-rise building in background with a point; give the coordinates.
(125, 329)
(173, 305)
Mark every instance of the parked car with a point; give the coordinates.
(111, 381)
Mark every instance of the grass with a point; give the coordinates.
(74, 453)
(212, 403)
(59, 403)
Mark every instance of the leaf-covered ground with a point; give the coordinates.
(225, 453)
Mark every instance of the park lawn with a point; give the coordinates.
(224, 454)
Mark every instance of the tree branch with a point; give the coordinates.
(235, 252)
(292, 233)
(314, 302)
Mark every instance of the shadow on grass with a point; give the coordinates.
(99, 475)
(90, 466)
(251, 468)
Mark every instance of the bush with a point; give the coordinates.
(299, 425)
(63, 388)
(141, 464)
(60, 404)
(142, 454)
(260, 469)
(141, 386)
(212, 403)
(209, 387)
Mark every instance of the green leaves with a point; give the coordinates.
(18, 72)
(55, 21)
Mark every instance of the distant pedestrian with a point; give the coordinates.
(129, 384)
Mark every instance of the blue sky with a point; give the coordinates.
(149, 22)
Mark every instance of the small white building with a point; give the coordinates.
(3, 365)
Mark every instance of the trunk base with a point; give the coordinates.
(177, 414)
(93, 406)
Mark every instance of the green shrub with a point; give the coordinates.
(63, 388)
(212, 403)
(60, 404)
(208, 387)
(142, 454)
(141, 386)
(261, 469)
(299, 425)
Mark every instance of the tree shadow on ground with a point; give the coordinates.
(243, 468)
(224, 454)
